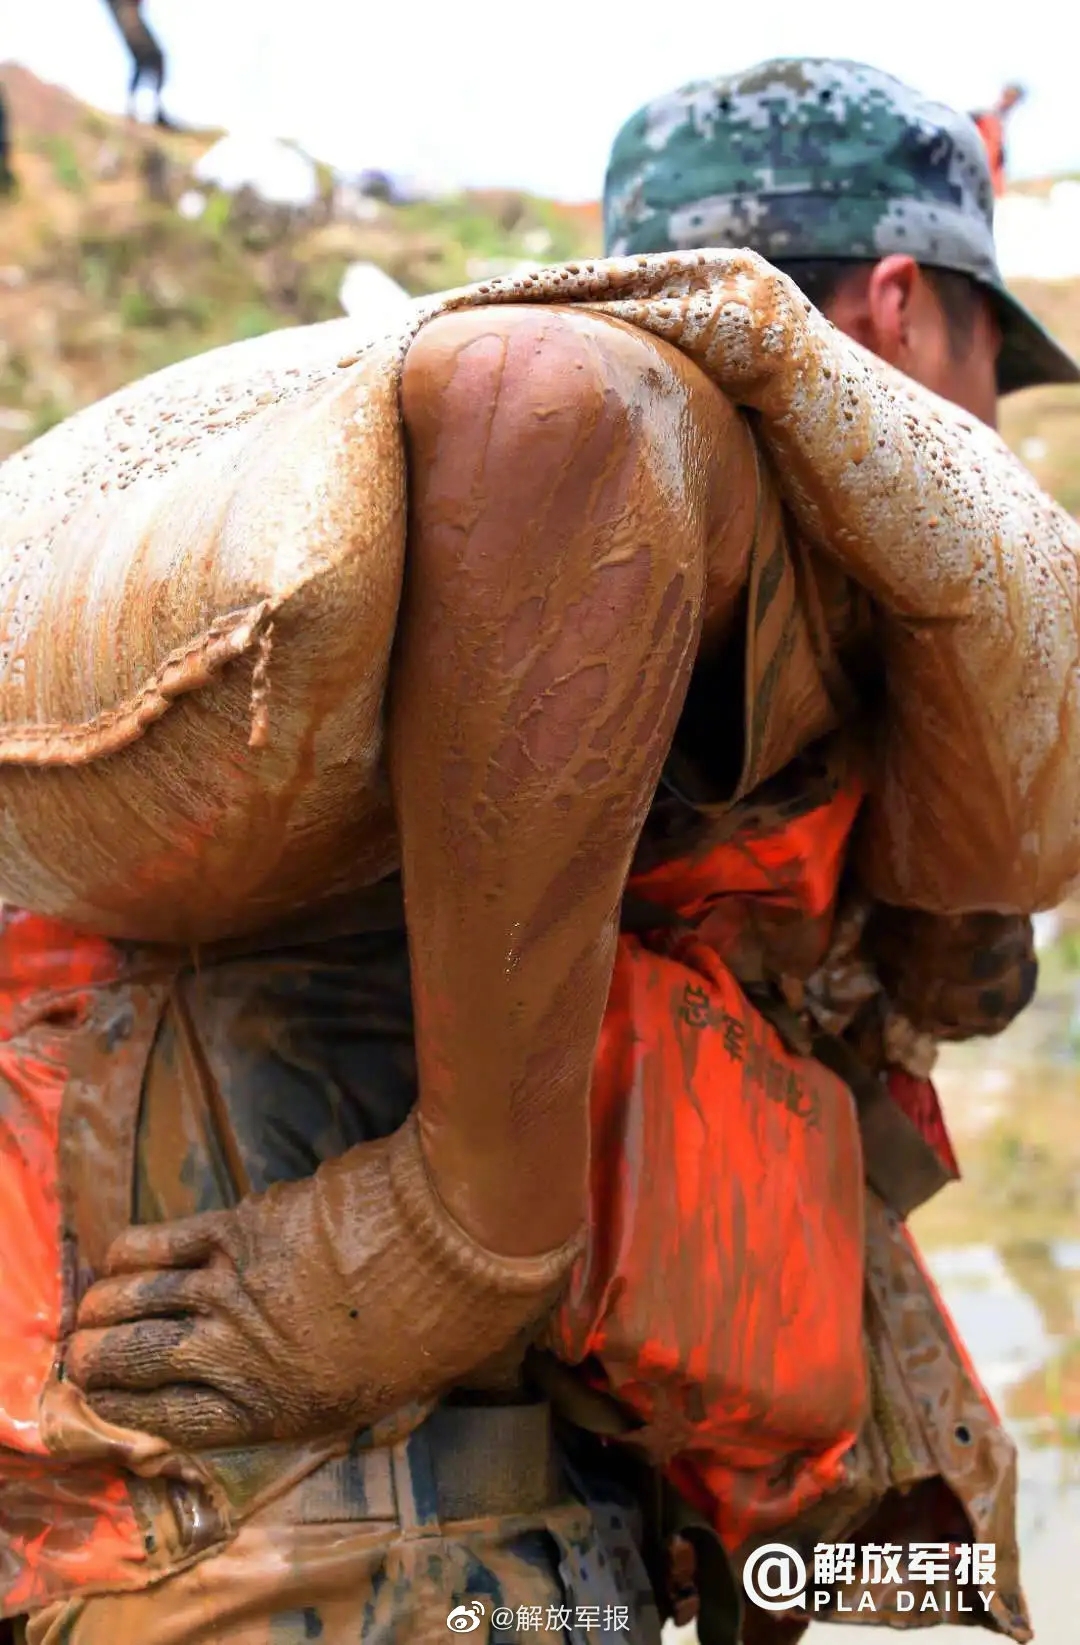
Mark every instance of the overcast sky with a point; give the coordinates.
(490, 94)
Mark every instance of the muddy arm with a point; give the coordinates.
(554, 596)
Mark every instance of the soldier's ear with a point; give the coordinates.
(874, 305)
(893, 292)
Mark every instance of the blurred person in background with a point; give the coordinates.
(991, 124)
(7, 176)
(147, 57)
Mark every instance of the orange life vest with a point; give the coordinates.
(720, 1297)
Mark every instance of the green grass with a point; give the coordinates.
(50, 412)
(65, 164)
(254, 320)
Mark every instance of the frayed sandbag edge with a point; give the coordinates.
(187, 669)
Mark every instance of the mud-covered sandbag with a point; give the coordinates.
(199, 582)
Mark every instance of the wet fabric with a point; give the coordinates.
(173, 1090)
(358, 1552)
(910, 1422)
(918, 1099)
(765, 898)
(932, 1462)
(245, 1070)
(81, 1530)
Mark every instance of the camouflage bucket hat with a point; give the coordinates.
(815, 158)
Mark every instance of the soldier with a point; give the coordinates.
(991, 124)
(878, 203)
(348, 1226)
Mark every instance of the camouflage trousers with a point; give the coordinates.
(368, 1549)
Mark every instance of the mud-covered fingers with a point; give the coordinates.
(126, 1297)
(151, 1353)
(190, 1416)
(982, 1008)
(182, 1244)
(985, 950)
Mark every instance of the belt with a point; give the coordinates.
(463, 1462)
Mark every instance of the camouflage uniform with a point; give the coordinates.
(814, 158)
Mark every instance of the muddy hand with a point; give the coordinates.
(169, 1341)
(954, 977)
(316, 1307)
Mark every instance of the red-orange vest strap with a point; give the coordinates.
(52, 1537)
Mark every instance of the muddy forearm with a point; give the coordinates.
(553, 602)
